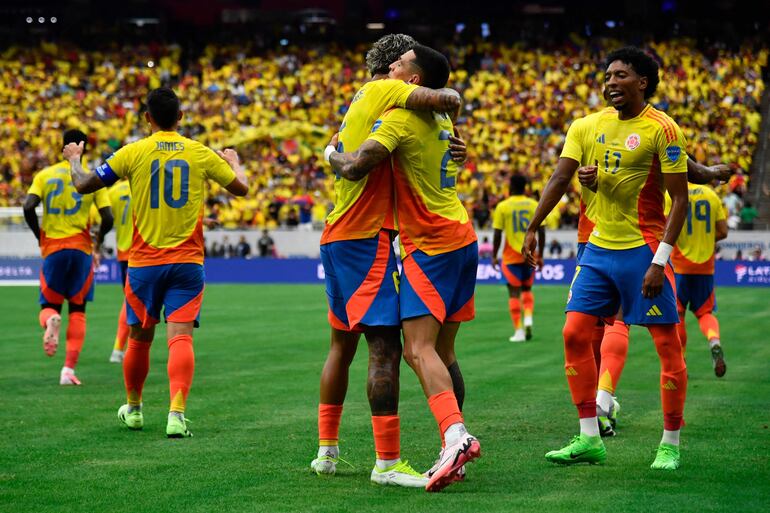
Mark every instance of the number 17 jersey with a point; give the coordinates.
(167, 174)
(512, 217)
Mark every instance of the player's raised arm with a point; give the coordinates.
(239, 186)
(700, 174)
(554, 190)
(356, 165)
(84, 182)
(438, 100)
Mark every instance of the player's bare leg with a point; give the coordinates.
(334, 387)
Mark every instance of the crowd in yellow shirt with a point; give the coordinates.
(280, 108)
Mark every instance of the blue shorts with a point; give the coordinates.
(518, 275)
(581, 249)
(67, 274)
(697, 292)
(361, 282)
(177, 288)
(441, 285)
(609, 278)
(123, 264)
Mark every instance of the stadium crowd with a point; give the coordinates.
(280, 108)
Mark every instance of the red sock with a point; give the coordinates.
(136, 364)
(579, 362)
(614, 351)
(329, 416)
(387, 436)
(445, 410)
(681, 330)
(673, 374)
(514, 305)
(76, 334)
(528, 301)
(122, 336)
(709, 325)
(596, 344)
(181, 366)
(44, 315)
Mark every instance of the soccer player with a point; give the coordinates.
(167, 175)
(361, 275)
(626, 260)
(693, 260)
(439, 248)
(120, 199)
(512, 216)
(67, 251)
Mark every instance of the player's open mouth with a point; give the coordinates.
(615, 96)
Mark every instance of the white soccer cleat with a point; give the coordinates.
(453, 457)
(51, 335)
(519, 336)
(67, 377)
(399, 474)
(324, 465)
(117, 356)
(460, 476)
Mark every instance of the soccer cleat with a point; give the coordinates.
(718, 360)
(460, 476)
(134, 420)
(581, 449)
(117, 356)
(399, 474)
(605, 427)
(453, 457)
(528, 332)
(608, 420)
(667, 457)
(67, 377)
(51, 335)
(177, 426)
(519, 336)
(324, 465)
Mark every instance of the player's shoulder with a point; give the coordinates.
(659, 121)
(593, 118)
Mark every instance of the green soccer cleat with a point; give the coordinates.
(134, 420)
(177, 426)
(667, 457)
(399, 474)
(581, 449)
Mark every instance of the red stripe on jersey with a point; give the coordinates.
(426, 230)
(363, 297)
(649, 206)
(80, 241)
(424, 289)
(371, 212)
(668, 126)
(190, 251)
(585, 225)
(511, 256)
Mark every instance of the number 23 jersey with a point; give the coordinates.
(633, 155)
(167, 174)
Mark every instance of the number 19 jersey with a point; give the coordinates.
(694, 250)
(167, 174)
(512, 216)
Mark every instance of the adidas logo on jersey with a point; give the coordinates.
(654, 312)
(669, 385)
(571, 371)
(600, 140)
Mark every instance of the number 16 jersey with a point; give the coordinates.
(167, 174)
(512, 217)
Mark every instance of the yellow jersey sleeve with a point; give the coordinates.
(101, 199)
(392, 93)
(37, 186)
(390, 130)
(217, 168)
(573, 144)
(118, 165)
(717, 206)
(671, 148)
(498, 222)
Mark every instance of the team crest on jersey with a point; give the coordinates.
(633, 141)
(673, 153)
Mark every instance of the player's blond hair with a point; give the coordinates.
(387, 50)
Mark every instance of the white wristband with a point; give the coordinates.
(662, 254)
(328, 152)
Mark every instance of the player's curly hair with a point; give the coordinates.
(642, 62)
(387, 50)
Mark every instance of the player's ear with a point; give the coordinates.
(179, 116)
(415, 79)
(642, 83)
(147, 117)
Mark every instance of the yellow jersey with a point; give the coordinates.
(694, 249)
(579, 146)
(167, 174)
(66, 221)
(120, 199)
(364, 207)
(430, 216)
(512, 216)
(633, 155)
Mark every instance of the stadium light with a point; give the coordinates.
(150, 64)
(375, 26)
(29, 19)
(284, 42)
(53, 19)
(41, 20)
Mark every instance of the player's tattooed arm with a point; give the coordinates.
(356, 165)
(83, 181)
(30, 216)
(700, 174)
(439, 100)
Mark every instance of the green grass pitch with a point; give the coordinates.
(254, 399)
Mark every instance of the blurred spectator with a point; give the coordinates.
(739, 255)
(485, 248)
(733, 205)
(227, 248)
(243, 248)
(748, 214)
(266, 245)
(756, 255)
(555, 249)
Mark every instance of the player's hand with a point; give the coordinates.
(73, 151)
(230, 156)
(457, 149)
(529, 249)
(335, 140)
(210, 222)
(722, 172)
(587, 176)
(652, 285)
(539, 261)
(97, 257)
(495, 263)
